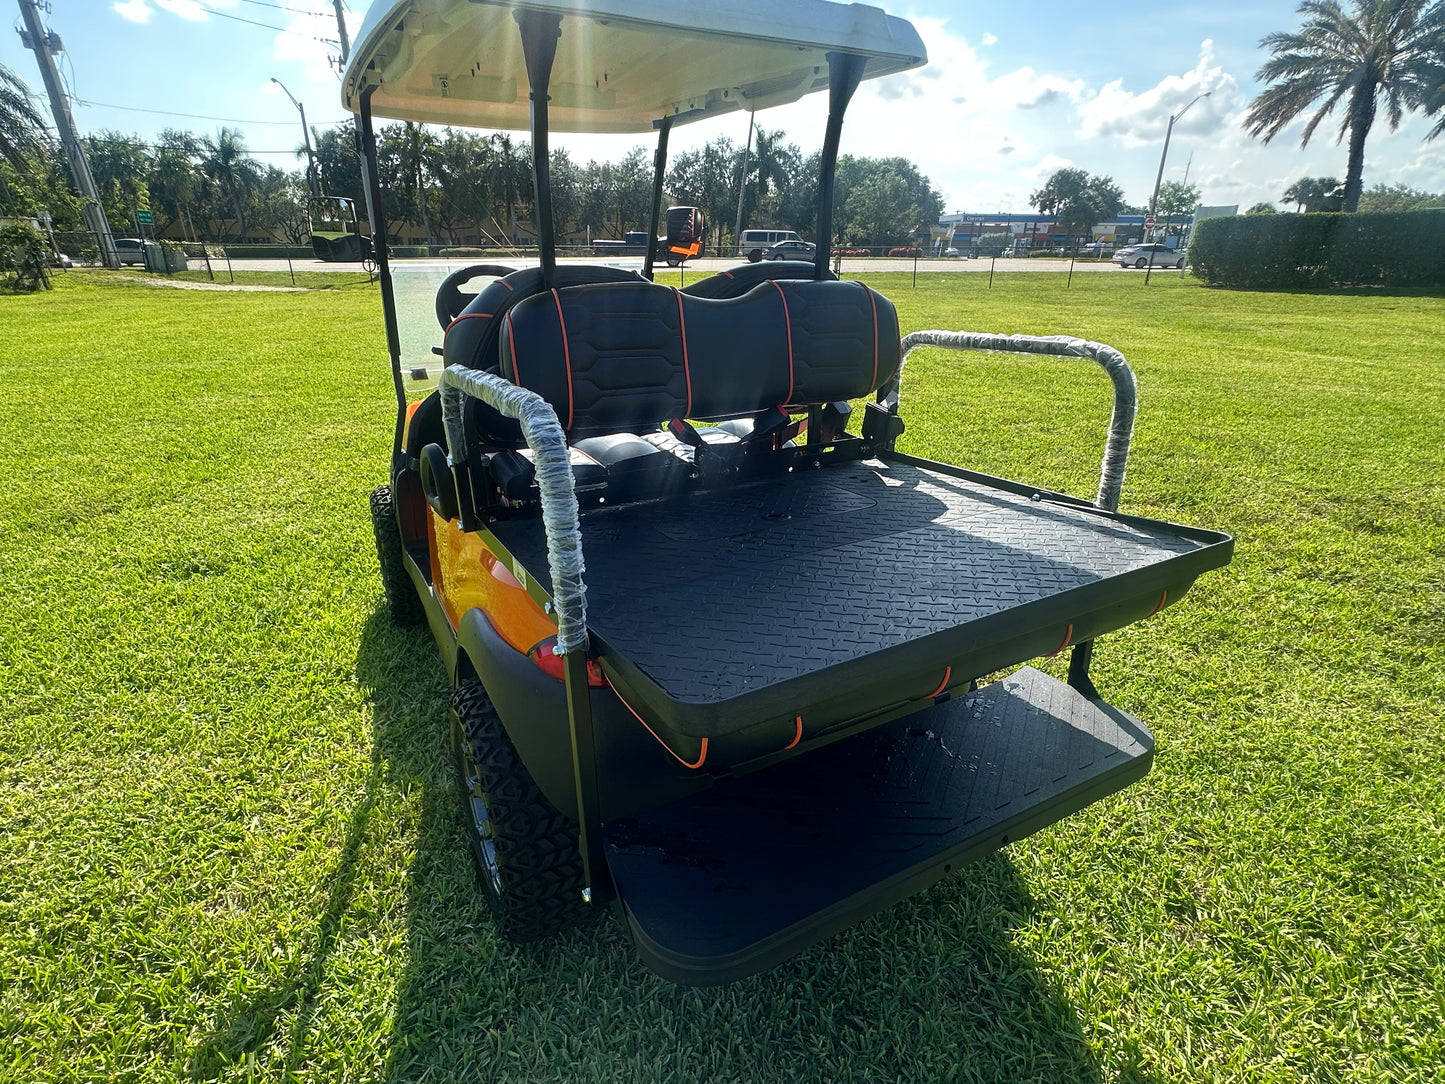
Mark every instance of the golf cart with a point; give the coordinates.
(719, 649)
(336, 235)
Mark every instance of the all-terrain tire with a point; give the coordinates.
(401, 597)
(525, 851)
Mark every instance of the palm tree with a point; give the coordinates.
(226, 161)
(21, 126)
(1383, 52)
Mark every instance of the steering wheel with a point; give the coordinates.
(450, 298)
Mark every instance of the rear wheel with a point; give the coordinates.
(755, 255)
(401, 597)
(524, 849)
(1140, 263)
(1180, 265)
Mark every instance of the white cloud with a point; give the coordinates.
(990, 39)
(140, 11)
(303, 44)
(135, 11)
(1135, 120)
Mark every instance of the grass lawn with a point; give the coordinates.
(229, 846)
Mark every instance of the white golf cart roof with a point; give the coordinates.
(621, 65)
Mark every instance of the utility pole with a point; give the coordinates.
(45, 45)
(743, 187)
(341, 29)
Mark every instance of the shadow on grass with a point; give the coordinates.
(1333, 291)
(933, 988)
(409, 694)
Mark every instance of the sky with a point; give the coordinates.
(1011, 93)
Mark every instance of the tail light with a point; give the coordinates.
(544, 656)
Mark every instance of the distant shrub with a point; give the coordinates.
(1284, 251)
(23, 254)
(909, 252)
(267, 252)
(994, 244)
(852, 252)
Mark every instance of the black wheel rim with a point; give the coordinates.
(474, 801)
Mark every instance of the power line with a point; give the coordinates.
(195, 116)
(272, 26)
(283, 7)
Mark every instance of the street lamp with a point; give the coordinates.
(1154, 200)
(306, 134)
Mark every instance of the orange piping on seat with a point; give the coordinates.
(1069, 635)
(1162, 600)
(947, 673)
(512, 345)
(468, 316)
(797, 734)
(874, 305)
(701, 755)
(566, 356)
(686, 371)
(504, 282)
(788, 323)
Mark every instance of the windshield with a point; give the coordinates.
(414, 285)
(332, 216)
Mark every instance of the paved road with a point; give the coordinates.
(850, 267)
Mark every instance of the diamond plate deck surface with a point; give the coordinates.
(787, 577)
(752, 857)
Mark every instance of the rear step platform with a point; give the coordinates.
(759, 867)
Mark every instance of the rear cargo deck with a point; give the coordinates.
(720, 609)
(757, 868)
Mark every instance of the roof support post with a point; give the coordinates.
(845, 71)
(383, 266)
(540, 31)
(659, 164)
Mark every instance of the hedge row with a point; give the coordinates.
(1284, 251)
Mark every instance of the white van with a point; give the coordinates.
(754, 241)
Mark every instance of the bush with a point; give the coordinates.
(1320, 250)
(23, 255)
(852, 252)
(909, 252)
(994, 244)
(268, 252)
(408, 250)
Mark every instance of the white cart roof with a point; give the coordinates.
(621, 65)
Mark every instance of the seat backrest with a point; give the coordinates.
(626, 357)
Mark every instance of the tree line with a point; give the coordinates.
(448, 187)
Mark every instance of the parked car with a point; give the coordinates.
(791, 250)
(131, 250)
(1149, 255)
(753, 242)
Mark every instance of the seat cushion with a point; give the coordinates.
(627, 357)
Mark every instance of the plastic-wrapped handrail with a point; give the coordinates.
(1126, 391)
(544, 436)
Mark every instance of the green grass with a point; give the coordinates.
(228, 842)
(350, 277)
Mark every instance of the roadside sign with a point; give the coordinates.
(1148, 222)
(145, 218)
